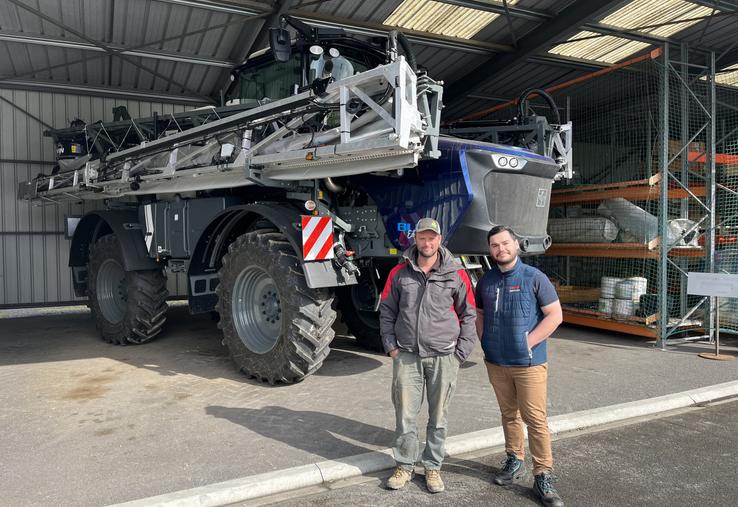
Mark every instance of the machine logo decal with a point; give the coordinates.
(542, 198)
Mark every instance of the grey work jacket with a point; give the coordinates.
(431, 315)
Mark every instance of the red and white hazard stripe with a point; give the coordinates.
(317, 238)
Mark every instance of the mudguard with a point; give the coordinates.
(237, 220)
(124, 224)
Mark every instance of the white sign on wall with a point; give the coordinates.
(712, 284)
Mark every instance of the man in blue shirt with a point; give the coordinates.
(517, 310)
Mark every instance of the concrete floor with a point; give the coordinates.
(685, 459)
(87, 423)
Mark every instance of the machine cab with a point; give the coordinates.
(264, 78)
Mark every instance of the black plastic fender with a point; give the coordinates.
(126, 227)
(229, 225)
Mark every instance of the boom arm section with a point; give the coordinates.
(384, 119)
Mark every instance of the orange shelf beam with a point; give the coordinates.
(619, 250)
(634, 190)
(580, 319)
(720, 158)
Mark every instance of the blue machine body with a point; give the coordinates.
(451, 187)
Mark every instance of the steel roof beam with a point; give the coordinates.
(593, 26)
(102, 91)
(423, 38)
(526, 13)
(721, 5)
(624, 33)
(60, 42)
(466, 45)
(209, 5)
(727, 59)
(99, 44)
(515, 11)
(88, 57)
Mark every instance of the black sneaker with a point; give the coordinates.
(543, 486)
(512, 468)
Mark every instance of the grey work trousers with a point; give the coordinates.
(412, 376)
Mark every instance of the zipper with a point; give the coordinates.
(420, 306)
(497, 299)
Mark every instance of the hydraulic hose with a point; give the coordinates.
(406, 48)
(523, 101)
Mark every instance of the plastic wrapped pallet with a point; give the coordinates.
(607, 286)
(605, 305)
(641, 224)
(682, 232)
(582, 230)
(623, 307)
(632, 288)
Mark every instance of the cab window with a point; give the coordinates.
(270, 80)
(274, 80)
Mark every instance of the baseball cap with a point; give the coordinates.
(428, 224)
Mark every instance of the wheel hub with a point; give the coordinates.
(270, 306)
(256, 309)
(112, 291)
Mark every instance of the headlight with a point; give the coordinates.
(508, 162)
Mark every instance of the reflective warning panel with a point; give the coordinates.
(317, 238)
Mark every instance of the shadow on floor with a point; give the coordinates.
(189, 344)
(318, 433)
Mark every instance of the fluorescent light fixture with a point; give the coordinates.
(441, 18)
(612, 49)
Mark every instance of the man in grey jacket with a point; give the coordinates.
(427, 320)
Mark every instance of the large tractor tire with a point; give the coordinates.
(356, 303)
(129, 307)
(276, 328)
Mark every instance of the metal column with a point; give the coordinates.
(664, 200)
(684, 203)
(710, 180)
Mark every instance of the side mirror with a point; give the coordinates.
(280, 44)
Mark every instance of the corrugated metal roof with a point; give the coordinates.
(440, 18)
(716, 32)
(641, 16)
(180, 48)
(728, 77)
(600, 48)
(185, 64)
(642, 13)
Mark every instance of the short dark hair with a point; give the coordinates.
(501, 228)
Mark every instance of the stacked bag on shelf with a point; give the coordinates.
(620, 297)
(619, 220)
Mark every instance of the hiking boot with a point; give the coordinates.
(399, 478)
(543, 486)
(433, 481)
(512, 468)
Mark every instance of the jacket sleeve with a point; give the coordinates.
(465, 307)
(388, 309)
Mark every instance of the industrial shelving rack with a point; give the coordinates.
(677, 180)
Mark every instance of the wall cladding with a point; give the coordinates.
(33, 251)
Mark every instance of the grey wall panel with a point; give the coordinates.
(33, 251)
